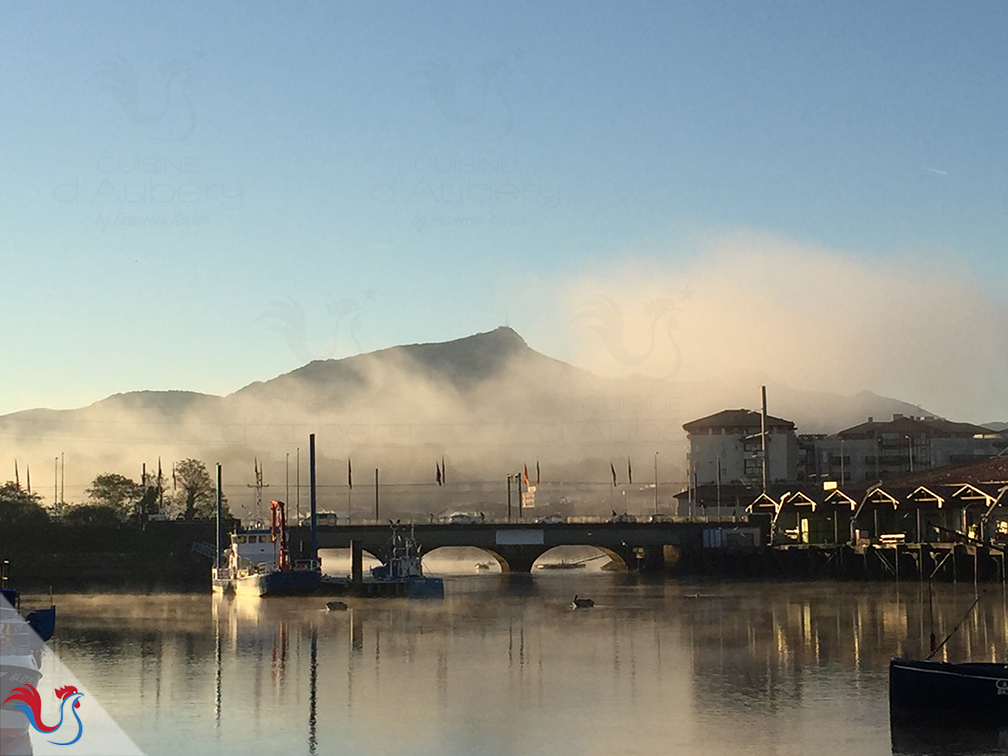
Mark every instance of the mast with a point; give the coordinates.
(311, 494)
(763, 439)
(220, 509)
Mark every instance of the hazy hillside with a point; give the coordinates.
(487, 404)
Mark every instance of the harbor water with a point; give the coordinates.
(505, 665)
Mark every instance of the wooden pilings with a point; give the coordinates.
(944, 562)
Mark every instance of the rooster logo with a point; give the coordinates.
(606, 319)
(176, 118)
(490, 119)
(289, 320)
(32, 707)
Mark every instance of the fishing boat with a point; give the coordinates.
(931, 693)
(925, 690)
(258, 562)
(563, 564)
(402, 574)
(22, 635)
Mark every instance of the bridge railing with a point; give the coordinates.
(573, 520)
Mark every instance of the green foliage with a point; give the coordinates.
(92, 516)
(196, 496)
(115, 492)
(20, 509)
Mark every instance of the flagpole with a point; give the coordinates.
(656, 482)
(509, 496)
(297, 484)
(719, 486)
(521, 505)
(376, 494)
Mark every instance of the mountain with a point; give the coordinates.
(487, 404)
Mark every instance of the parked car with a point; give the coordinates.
(625, 517)
(321, 519)
(660, 518)
(551, 520)
(461, 518)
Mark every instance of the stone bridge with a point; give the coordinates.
(516, 546)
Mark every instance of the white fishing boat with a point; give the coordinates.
(258, 562)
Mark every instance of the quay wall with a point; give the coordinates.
(161, 558)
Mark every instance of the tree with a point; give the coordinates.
(20, 509)
(115, 492)
(92, 516)
(197, 493)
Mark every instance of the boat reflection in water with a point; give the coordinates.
(505, 666)
(946, 739)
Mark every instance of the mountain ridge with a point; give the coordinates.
(487, 401)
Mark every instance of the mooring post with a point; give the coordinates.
(356, 563)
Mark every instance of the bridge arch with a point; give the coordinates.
(475, 555)
(554, 552)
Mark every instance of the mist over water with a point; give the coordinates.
(505, 666)
(488, 406)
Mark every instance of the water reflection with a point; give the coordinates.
(505, 666)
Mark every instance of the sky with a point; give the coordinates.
(199, 196)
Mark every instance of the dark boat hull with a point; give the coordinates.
(939, 740)
(957, 694)
(279, 583)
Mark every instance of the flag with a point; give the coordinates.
(17, 478)
(444, 472)
(349, 474)
(173, 481)
(437, 474)
(525, 473)
(613, 468)
(159, 473)
(537, 473)
(28, 476)
(629, 471)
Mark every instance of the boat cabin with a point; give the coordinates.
(252, 547)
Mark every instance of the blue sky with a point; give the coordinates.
(183, 184)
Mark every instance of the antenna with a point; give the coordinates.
(259, 486)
